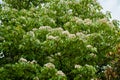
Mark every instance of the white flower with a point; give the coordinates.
(89, 46)
(22, 17)
(60, 73)
(104, 20)
(31, 33)
(94, 49)
(42, 5)
(70, 11)
(23, 60)
(1, 55)
(77, 66)
(34, 29)
(0, 22)
(37, 41)
(52, 37)
(111, 25)
(67, 24)
(93, 55)
(45, 28)
(80, 34)
(71, 36)
(87, 65)
(33, 62)
(79, 21)
(75, 18)
(87, 21)
(50, 59)
(109, 66)
(58, 54)
(65, 32)
(35, 78)
(49, 65)
(77, 1)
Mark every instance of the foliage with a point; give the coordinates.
(74, 35)
(22, 4)
(86, 72)
(30, 71)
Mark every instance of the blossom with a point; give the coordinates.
(79, 21)
(57, 29)
(31, 33)
(80, 34)
(87, 21)
(89, 46)
(34, 29)
(104, 20)
(67, 24)
(52, 37)
(49, 65)
(45, 28)
(35, 78)
(71, 36)
(0, 22)
(87, 65)
(42, 5)
(1, 55)
(22, 60)
(58, 54)
(60, 73)
(50, 59)
(70, 11)
(22, 17)
(65, 32)
(33, 62)
(93, 55)
(94, 49)
(77, 1)
(77, 66)
(37, 41)
(111, 25)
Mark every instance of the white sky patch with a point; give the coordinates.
(113, 6)
(0, 1)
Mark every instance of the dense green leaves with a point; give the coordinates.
(22, 4)
(74, 35)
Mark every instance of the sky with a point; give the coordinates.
(113, 6)
(109, 5)
(0, 1)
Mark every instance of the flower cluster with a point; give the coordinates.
(49, 65)
(60, 73)
(1, 55)
(50, 59)
(58, 54)
(45, 28)
(87, 21)
(72, 36)
(65, 33)
(50, 37)
(22, 60)
(31, 33)
(25, 61)
(77, 66)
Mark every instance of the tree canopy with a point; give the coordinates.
(58, 40)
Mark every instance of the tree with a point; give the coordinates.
(74, 35)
